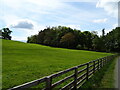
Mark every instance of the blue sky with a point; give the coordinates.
(27, 17)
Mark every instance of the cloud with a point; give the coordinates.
(115, 25)
(24, 24)
(74, 26)
(22, 34)
(110, 6)
(100, 20)
(19, 38)
(79, 0)
(108, 29)
(42, 13)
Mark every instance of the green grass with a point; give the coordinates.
(22, 62)
(0, 64)
(108, 79)
(104, 78)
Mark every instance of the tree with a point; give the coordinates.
(113, 40)
(68, 40)
(40, 37)
(6, 33)
(87, 40)
(0, 34)
(32, 39)
(97, 44)
(66, 37)
(103, 32)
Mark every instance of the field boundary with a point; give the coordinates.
(80, 76)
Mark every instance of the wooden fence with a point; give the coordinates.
(79, 75)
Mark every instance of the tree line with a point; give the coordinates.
(66, 37)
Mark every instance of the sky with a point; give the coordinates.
(28, 17)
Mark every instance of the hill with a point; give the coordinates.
(23, 62)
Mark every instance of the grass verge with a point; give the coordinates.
(104, 78)
(108, 79)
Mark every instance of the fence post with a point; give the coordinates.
(75, 78)
(98, 64)
(48, 83)
(103, 61)
(106, 60)
(87, 73)
(93, 66)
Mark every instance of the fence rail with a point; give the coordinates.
(80, 76)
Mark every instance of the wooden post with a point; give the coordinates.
(48, 83)
(106, 60)
(98, 64)
(87, 74)
(93, 66)
(75, 78)
(101, 62)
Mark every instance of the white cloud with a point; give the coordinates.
(111, 6)
(47, 13)
(12, 3)
(49, 4)
(19, 38)
(100, 31)
(108, 29)
(25, 30)
(26, 33)
(100, 20)
(8, 19)
(25, 24)
(115, 25)
(79, 0)
(74, 26)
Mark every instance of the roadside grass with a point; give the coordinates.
(104, 78)
(108, 79)
(22, 62)
(0, 64)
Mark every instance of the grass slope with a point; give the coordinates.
(24, 62)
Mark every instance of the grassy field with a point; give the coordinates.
(22, 62)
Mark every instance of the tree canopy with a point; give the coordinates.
(6, 33)
(67, 37)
